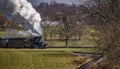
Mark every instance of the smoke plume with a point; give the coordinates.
(26, 15)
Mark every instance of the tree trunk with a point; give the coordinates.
(45, 37)
(75, 40)
(66, 42)
(79, 37)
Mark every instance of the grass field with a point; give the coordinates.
(2, 33)
(51, 58)
(57, 58)
(77, 43)
(85, 50)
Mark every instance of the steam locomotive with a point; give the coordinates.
(35, 42)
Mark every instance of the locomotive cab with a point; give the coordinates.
(38, 43)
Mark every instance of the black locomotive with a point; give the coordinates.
(35, 42)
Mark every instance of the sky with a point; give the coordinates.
(37, 2)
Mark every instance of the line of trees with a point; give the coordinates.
(69, 23)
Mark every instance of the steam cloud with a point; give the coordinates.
(27, 16)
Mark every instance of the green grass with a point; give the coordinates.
(2, 33)
(51, 58)
(78, 43)
(85, 50)
(84, 42)
(36, 59)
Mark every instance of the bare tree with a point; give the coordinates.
(105, 16)
(66, 29)
(70, 23)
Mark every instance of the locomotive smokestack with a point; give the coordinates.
(28, 17)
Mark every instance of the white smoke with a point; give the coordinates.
(27, 15)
